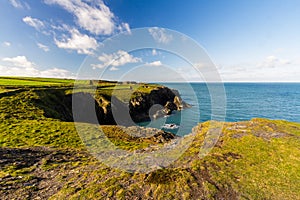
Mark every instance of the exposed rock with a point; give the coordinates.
(170, 106)
(155, 135)
(140, 105)
(106, 110)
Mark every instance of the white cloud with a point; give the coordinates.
(199, 65)
(116, 59)
(95, 66)
(269, 69)
(124, 27)
(56, 73)
(273, 61)
(155, 63)
(6, 44)
(113, 68)
(15, 3)
(93, 16)
(16, 71)
(18, 4)
(160, 35)
(18, 61)
(83, 44)
(289, 73)
(21, 66)
(43, 47)
(18, 66)
(189, 73)
(154, 52)
(35, 23)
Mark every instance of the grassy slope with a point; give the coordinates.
(24, 81)
(258, 159)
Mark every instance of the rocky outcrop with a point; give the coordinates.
(159, 102)
(142, 106)
(109, 110)
(152, 134)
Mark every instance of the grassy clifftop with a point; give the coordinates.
(42, 157)
(258, 159)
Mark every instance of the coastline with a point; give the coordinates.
(42, 155)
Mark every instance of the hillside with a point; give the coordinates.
(43, 157)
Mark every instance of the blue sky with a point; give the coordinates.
(248, 40)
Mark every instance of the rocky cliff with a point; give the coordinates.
(159, 102)
(144, 104)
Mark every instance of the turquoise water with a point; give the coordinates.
(244, 101)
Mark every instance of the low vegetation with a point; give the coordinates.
(28, 81)
(42, 156)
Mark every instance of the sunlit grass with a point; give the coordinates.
(26, 81)
(257, 159)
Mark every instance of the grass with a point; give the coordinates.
(259, 159)
(31, 133)
(245, 166)
(42, 102)
(61, 135)
(42, 155)
(125, 92)
(28, 81)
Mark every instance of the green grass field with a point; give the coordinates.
(27, 81)
(42, 155)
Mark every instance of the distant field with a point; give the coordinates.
(123, 91)
(26, 81)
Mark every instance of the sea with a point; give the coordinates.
(230, 102)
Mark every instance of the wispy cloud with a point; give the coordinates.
(155, 63)
(6, 44)
(35, 23)
(113, 68)
(43, 47)
(188, 73)
(124, 27)
(160, 35)
(18, 4)
(93, 16)
(271, 68)
(116, 59)
(77, 41)
(154, 52)
(21, 66)
(56, 73)
(273, 61)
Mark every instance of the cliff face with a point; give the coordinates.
(143, 105)
(159, 102)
